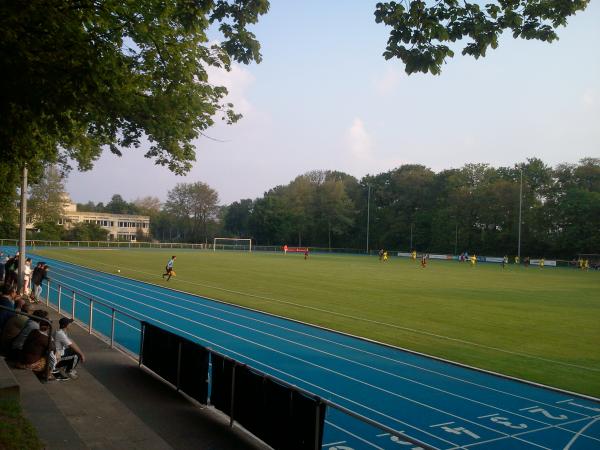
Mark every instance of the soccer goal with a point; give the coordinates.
(232, 244)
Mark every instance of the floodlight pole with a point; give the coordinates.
(411, 228)
(368, 213)
(520, 207)
(22, 228)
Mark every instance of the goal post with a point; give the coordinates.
(232, 244)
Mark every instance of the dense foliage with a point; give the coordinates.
(474, 208)
(81, 76)
(423, 33)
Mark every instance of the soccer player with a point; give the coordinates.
(306, 254)
(169, 268)
(285, 249)
(542, 263)
(504, 261)
(385, 256)
(424, 260)
(517, 260)
(473, 260)
(414, 255)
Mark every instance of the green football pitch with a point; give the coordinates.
(542, 325)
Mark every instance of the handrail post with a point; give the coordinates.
(48, 295)
(232, 395)
(112, 330)
(178, 365)
(317, 426)
(59, 295)
(73, 302)
(91, 315)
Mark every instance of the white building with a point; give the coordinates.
(122, 227)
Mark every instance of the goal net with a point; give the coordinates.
(242, 245)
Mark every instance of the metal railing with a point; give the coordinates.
(76, 297)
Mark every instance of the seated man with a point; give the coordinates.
(68, 352)
(12, 328)
(30, 325)
(35, 351)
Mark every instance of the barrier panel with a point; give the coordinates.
(182, 363)
(280, 415)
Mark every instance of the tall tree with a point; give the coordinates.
(118, 205)
(236, 218)
(47, 197)
(196, 205)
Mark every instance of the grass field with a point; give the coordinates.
(540, 325)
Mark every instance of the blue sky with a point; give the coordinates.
(325, 98)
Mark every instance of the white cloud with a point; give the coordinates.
(237, 81)
(388, 82)
(589, 98)
(359, 141)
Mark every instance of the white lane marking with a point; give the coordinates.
(579, 433)
(441, 424)
(354, 435)
(235, 324)
(362, 319)
(529, 407)
(329, 444)
(518, 435)
(489, 415)
(202, 339)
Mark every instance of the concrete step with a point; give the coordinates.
(52, 427)
(9, 387)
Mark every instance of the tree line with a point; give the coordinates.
(474, 208)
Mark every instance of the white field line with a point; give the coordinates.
(332, 342)
(293, 343)
(362, 319)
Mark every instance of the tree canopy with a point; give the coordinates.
(79, 76)
(423, 32)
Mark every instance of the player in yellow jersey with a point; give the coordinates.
(414, 255)
(473, 260)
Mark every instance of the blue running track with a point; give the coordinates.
(441, 404)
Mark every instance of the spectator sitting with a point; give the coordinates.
(67, 351)
(7, 300)
(30, 325)
(12, 328)
(35, 350)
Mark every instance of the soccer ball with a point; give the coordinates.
(118, 270)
